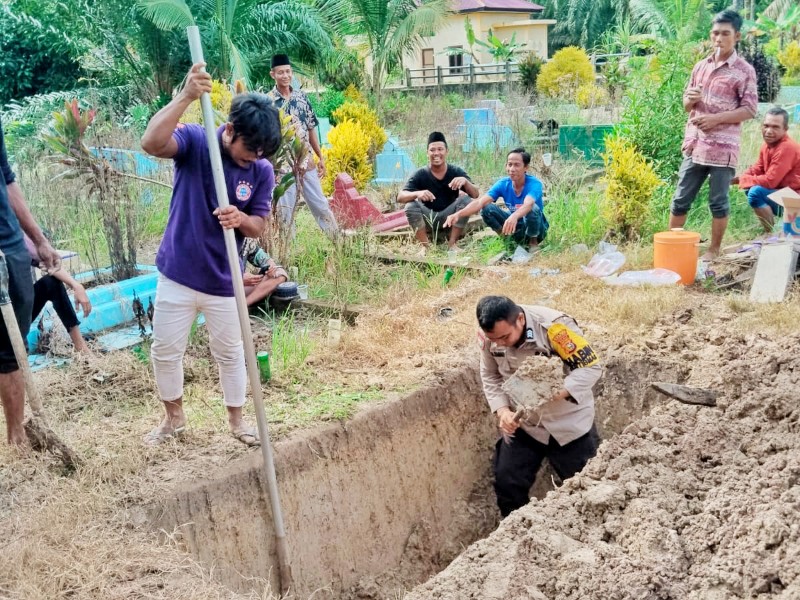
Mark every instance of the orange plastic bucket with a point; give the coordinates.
(677, 250)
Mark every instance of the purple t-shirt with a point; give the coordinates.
(192, 252)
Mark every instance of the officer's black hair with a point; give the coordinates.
(729, 16)
(492, 309)
(526, 156)
(255, 119)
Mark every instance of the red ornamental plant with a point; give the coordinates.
(107, 188)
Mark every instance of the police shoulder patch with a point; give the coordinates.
(573, 349)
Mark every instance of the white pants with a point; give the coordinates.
(176, 308)
(316, 201)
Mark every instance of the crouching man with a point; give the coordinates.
(562, 430)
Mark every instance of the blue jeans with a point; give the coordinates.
(532, 226)
(757, 198)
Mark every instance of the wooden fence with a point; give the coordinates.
(466, 74)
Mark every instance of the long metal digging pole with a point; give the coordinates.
(244, 320)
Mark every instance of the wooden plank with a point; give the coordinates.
(348, 312)
(423, 261)
(775, 272)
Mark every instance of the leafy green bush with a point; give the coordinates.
(529, 67)
(789, 58)
(344, 69)
(653, 118)
(569, 69)
(589, 95)
(35, 57)
(327, 102)
(347, 154)
(768, 75)
(368, 119)
(630, 183)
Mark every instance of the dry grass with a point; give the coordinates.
(86, 535)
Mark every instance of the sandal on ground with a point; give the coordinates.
(247, 435)
(156, 437)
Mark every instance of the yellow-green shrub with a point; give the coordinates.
(221, 97)
(630, 183)
(351, 92)
(789, 57)
(568, 70)
(368, 119)
(347, 154)
(589, 95)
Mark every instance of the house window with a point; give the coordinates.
(455, 59)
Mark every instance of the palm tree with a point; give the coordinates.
(389, 29)
(583, 22)
(681, 20)
(242, 34)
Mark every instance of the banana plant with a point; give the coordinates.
(501, 50)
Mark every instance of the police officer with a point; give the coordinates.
(562, 430)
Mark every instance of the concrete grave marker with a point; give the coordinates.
(775, 272)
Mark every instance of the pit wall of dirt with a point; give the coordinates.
(372, 506)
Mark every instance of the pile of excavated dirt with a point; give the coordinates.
(687, 503)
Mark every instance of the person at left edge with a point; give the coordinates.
(194, 275)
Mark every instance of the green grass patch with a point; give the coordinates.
(329, 404)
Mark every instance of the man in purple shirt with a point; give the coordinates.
(193, 265)
(721, 94)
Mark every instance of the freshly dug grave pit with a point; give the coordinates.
(690, 502)
(380, 503)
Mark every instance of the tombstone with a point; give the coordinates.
(353, 210)
(480, 131)
(392, 165)
(323, 128)
(494, 105)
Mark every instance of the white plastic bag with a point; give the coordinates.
(649, 277)
(607, 261)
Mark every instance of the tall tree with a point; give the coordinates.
(242, 34)
(389, 29)
(681, 20)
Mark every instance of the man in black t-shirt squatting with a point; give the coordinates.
(435, 192)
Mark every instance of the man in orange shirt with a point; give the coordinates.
(777, 167)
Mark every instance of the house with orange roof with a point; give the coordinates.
(505, 18)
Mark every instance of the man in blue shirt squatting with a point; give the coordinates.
(194, 275)
(523, 218)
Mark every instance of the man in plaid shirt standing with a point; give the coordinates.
(721, 94)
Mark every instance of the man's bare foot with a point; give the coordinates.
(710, 255)
(18, 440)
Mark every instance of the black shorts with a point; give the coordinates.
(20, 288)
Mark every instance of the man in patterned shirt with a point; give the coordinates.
(296, 104)
(720, 95)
